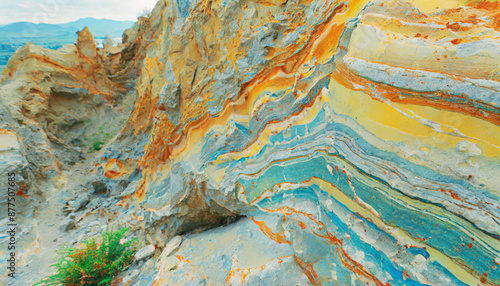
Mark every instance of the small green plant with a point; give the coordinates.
(96, 263)
(98, 145)
(98, 139)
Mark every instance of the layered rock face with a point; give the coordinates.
(289, 142)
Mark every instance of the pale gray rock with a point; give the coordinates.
(131, 277)
(144, 253)
(68, 224)
(80, 202)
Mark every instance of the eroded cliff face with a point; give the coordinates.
(278, 142)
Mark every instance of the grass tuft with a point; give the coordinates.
(96, 263)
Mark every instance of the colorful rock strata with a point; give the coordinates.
(361, 137)
(311, 142)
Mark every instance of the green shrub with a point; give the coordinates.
(96, 263)
(98, 145)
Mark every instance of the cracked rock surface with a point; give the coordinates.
(266, 143)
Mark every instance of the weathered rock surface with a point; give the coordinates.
(144, 253)
(53, 98)
(54, 106)
(280, 142)
(68, 224)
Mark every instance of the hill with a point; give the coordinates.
(53, 36)
(99, 27)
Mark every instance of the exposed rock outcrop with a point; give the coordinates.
(280, 142)
(56, 95)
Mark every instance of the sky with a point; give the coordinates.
(63, 11)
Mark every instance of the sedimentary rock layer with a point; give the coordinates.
(361, 136)
(332, 142)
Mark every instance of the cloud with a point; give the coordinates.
(63, 11)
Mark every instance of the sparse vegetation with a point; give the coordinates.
(96, 140)
(98, 145)
(96, 263)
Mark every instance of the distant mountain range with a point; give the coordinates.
(54, 36)
(98, 27)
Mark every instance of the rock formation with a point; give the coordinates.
(269, 143)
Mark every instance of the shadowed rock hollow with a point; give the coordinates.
(267, 143)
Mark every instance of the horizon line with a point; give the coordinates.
(36, 23)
